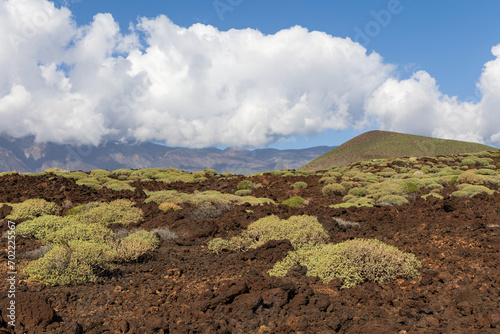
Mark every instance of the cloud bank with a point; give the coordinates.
(199, 86)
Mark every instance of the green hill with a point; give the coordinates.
(385, 144)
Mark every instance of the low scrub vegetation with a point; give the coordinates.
(299, 230)
(294, 202)
(299, 185)
(81, 246)
(353, 261)
(210, 196)
(32, 208)
(333, 189)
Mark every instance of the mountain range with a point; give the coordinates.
(26, 155)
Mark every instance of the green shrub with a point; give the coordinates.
(210, 172)
(169, 196)
(218, 245)
(75, 175)
(134, 246)
(353, 262)
(328, 180)
(98, 173)
(434, 186)
(245, 184)
(210, 196)
(121, 172)
(461, 193)
(348, 185)
(446, 180)
(72, 231)
(87, 180)
(118, 185)
(363, 201)
(432, 195)
(78, 263)
(92, 185)
(485, 171)
(333, 189)
(243, 192)
(41, 227)
(299, 230)
(32, 208)
(333, 174)
(470, 191)
(299, 185)
(120, 211)
(349, 198)
(389, 187)
(343, 205)
(294, 202)
(358, 192)
(484, 154)
(470, 178)
(80, 208)
(392, 200)
(167, 206)
(411, 187)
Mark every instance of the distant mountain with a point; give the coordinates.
(25, 155)
(386, 144)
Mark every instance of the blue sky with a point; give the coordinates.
(437, 49)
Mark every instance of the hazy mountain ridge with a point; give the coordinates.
(25, 155)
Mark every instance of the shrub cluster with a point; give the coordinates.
(299, 230)
(210, 196)
(333, 189)
(294, 202)
(32, 208)
(299, 185)
(353, 261)
(392, 200)
(82, 246)
(245, 184)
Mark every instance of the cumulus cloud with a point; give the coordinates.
(199, 86)
(417, 106)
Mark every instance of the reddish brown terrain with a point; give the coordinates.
(182, 288)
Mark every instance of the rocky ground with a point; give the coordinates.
(182, 288)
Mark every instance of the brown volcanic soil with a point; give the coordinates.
(182, 288)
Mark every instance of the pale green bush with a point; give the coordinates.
(328, 180)
(353, 262)
(134, 246)
(120, 211)
(294, 202)
(243, 192)
(299, 185)
(358, 192)
(299, 230)
(32, 208)
(392, 200)
(333, 189)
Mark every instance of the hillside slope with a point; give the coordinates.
(386, 144)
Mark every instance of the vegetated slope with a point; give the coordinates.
(385, 145)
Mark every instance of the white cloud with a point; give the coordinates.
(199, 86)
(417, 106)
